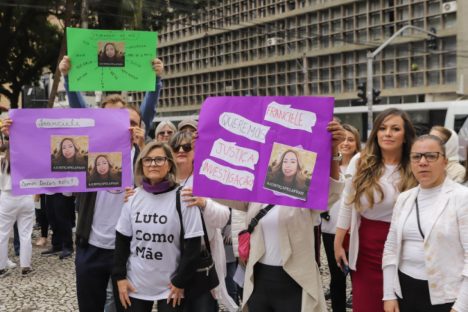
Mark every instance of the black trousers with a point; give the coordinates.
(337, 278)
(41, 217)
(93, 267)
(60, 212)
(139, 305)
(204, 303)
(416, 296)
(274, 291)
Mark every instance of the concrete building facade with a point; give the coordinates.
(313, 47)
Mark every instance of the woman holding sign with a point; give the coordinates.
(216, 216)
(281, 271)
(379, 174)
(149, 265)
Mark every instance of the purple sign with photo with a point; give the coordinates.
(69, 150)
(273, 150)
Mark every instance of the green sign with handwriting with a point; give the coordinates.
(117, 60)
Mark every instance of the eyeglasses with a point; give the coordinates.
(187, 147)
(165, 133)
(158, 161)
(429, 156)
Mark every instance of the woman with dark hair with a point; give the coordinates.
(288, 172)
(455, 170)
(425, 259)
(110, 56)
(13, 209)
(103, 172)
(149, 263)
(348, 148)
(68, 157)
(379, 174)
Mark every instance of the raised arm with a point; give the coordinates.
(75, 99)
(150, 101)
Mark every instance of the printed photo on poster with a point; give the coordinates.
(104, 170)
(69, 153)
(111, 54)
(290, 171)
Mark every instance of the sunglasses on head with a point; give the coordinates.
(187, 147)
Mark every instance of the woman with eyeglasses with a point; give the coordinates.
(215, 215)
(425, 260)
(164, 131)
(379, 174)
(148, 265)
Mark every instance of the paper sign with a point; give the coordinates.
(233, 154)
(289, 117)
(111, 59)
(72, 150)
(272, 150)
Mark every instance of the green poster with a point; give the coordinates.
(117, 60)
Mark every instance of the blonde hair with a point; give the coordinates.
(370, 166)
(171, 175)
(113, 99)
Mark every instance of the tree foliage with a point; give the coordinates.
(29, 41)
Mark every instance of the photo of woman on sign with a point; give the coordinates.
(103, 172)
(111, 54)
(287, 174)
(67, 156)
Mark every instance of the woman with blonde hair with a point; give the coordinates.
(154, 261)
(379, 174)
(348, 148)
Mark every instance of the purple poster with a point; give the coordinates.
(69, 150)
(273, 150)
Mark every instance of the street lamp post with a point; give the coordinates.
(370, 69)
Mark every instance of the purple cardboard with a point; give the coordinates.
(69, 150)
(243, 140)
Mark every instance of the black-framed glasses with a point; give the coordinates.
(158, 161)
(429, 156)
(166, 132)
(187, 147)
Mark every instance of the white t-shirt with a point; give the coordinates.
(270, 226)
(383, 211)
(153, 223)
(107, 210)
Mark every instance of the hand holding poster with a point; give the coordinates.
(111, 59)
(72, 150)
(273, 150)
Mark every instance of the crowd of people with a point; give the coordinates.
(397, 224)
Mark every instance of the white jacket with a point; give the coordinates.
(445, 244)
(216, 217)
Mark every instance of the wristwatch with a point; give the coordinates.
(337, 157)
